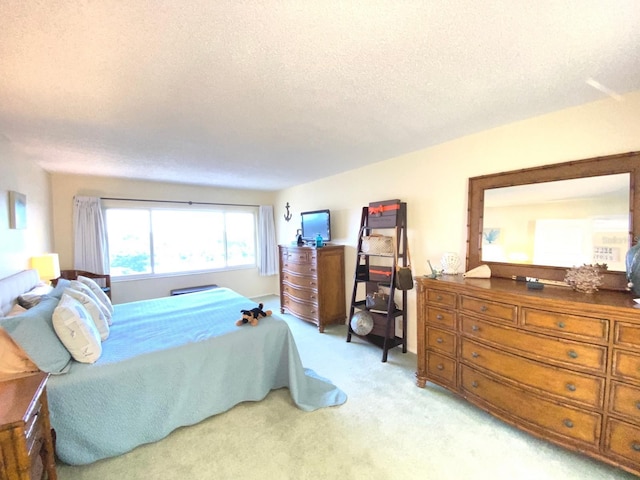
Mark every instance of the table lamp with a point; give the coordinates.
(47, 265)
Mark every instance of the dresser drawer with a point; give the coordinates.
(625, 400)
(306, 269)
(566, 325)
(626, 365)
(439, 297)
(538, 347)
(622, 439)
(300, 281)
(442, 368)
(442, 318)
(626, 334)
(565, 384)
(297, 308)
(300, 256)
(495, 310)
(441, 340)
(545, 415)
(302, 295)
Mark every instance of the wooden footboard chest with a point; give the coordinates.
(559, 364)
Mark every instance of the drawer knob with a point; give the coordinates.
(439, 297)
(571, 387)
(440, 366)
(474, 384)
(568, 423)
(561, 325)
(572, 354)
(638, 404)
(439, 340)
(475, 354)
(439, 317)
(635, 446)
(475, 328)
(484, 308)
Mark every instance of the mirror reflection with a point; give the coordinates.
(563, 223)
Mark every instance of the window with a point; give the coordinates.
(147, 241)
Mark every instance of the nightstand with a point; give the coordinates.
(26, 445)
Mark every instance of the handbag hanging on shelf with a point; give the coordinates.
(404, 277)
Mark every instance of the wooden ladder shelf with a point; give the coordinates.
(375, 272)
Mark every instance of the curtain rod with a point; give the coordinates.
(189, 202)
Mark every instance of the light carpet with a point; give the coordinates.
(388, 429)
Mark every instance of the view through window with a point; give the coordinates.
(147, 241)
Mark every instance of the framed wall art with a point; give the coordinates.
(17, 210)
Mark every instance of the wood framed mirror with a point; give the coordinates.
(599, 192)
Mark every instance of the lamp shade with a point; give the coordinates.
(47, 265)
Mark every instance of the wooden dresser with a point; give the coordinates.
(559, 364)
(312, 284)
(26, 446)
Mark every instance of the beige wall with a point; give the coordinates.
(433, 181)
(21, 174)
(65, 187)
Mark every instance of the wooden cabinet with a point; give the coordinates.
(559, 364)
(312, 284)
(26, 446)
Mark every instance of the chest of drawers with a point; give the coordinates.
(559, 364)
(312, 284)
(26, 446)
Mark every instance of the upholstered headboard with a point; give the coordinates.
(14, 285)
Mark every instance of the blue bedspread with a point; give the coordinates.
(171, 362)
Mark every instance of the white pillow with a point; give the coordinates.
(81, 287)
(76, 330)
(92, 307)
(97, 289)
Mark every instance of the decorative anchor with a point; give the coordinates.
(287, 216)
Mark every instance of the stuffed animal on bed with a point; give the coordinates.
(252, 316)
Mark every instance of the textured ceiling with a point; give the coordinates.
(272, 93)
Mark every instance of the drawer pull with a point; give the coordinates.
(638, 404)
(474, 384)
(561, 325)
(439, 340)
(484, 308)
(635, 446)
(475, 354)
(572, 354)
(439, 317)
(439, 297)
(568, 423)
(475, 328)
(440, 366)
(571, 387)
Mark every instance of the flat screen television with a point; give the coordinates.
(314, 223)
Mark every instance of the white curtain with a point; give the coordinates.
(90, 236)
(267, 241)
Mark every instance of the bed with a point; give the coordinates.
(167, 363)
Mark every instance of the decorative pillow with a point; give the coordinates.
(60, 287)
(13, 360)
(33, 332)
(99, 320)
(31, 298)
(76, 330)
(81, 287)
(97, 289)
